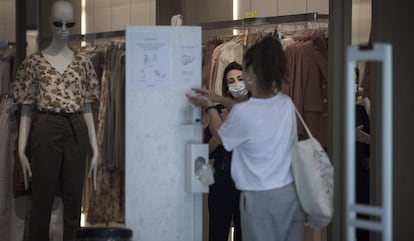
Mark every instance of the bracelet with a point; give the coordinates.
(209, 108)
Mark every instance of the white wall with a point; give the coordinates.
(31, 39)
(266, 8)
(200, 11)
(197, 11)
(113, 15)
(7, 20)
(361, 21)
(101, 15)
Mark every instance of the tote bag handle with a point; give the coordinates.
(303, 123)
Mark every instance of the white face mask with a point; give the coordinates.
(238, 89)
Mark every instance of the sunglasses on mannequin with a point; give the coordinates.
(58, 24)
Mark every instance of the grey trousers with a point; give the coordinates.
(272, 215)
(58, 154)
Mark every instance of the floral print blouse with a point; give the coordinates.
(37, 81)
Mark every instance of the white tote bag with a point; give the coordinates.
(313, 174)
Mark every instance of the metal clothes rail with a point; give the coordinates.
(295, 18)
(101, 35)
(5, 44)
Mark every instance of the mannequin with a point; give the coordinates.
(56, 88)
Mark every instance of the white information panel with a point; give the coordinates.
(162, 64)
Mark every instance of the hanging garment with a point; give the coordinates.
(8, 133)
(96, 54)
(308, 85)
(6, 65)
(106, 203)
(4, 77)
(231, 51)
(214, 65)
(208, 50)
(113, 150)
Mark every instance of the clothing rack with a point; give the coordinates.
(95, 36)
(6, 44)
(295, 18)
(90, 36)
(247, 22)
(6, 96)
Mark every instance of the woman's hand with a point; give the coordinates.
(226, 101)
(209, 94)
(199, 100)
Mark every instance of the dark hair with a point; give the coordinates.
(225, 87)
(268, 62)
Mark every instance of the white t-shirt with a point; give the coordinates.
(261, 133)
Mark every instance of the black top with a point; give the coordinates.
(362, 149)
(222, 158)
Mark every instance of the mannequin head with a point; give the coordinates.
(61, 19)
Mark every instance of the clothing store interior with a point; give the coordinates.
(102, 136)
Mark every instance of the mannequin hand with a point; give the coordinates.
(87, 114)
(199, 100)
(209, 94)
(24, 161)
(94, 167)
(24, 129)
